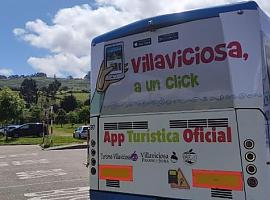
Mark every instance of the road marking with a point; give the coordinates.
(3, 164)
(30, 162)
(40, 173)
(78, 193)
(42, 183)
(18, 155)
(22, 155)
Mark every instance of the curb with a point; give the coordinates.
(66, 147)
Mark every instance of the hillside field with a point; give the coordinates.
(72, 84)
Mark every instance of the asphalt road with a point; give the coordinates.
(29, 173)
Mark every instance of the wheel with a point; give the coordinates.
(80, 137)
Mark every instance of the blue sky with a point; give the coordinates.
(53, 36)
(14, 14)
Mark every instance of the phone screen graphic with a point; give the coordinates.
(173, 176)
(114, 57)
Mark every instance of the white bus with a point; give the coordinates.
(180, 107)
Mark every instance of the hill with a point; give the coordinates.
(71, 84)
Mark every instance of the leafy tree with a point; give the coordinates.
(61, 117)
(29, 91)
(87, 102)
(72, 117)
(64, 88)
(84, 114)
(11, 105)
(53, 88)
(69, 77)
(36, 114)
(69, 103)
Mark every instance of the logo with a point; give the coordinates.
(134, 156)
(117, 156)
(190, 157)
(154, 157)
(174, 158)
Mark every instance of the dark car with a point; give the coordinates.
(3, 130)
(30, 129)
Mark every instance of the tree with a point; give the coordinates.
(72, 117)
(64, 88)
(61, 117)
(36, 114)
(86, 102)
(11, 105)
(29, 91)
(53, 88)
(3, 77)
(69, 103)
(84, 114)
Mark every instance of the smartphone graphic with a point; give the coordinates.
(173, 176)
(114, 57)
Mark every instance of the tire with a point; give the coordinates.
(80, 137)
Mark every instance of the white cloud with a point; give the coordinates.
(6, 71)
(68, 36)
(18, 31)
(61, 64)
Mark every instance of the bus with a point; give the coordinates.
(180, 107)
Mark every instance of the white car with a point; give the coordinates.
(81, 132)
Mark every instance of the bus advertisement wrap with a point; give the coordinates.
(190, 71)
(180, 110)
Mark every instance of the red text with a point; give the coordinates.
(209, 136)
(187, 57)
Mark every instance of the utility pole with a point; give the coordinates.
(51, 124)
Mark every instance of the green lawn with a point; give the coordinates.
(57, 141)
(66, 130)
(21, 140)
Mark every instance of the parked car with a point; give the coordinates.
(29, 129)
(81, 132)
(7, 128)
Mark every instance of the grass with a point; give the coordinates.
(61, 136)
(80, 96)
(66, 130)
(56, 141)
(22, 141)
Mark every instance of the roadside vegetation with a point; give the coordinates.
(61, 136)
(45, 102)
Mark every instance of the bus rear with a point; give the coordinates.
(180, 109)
